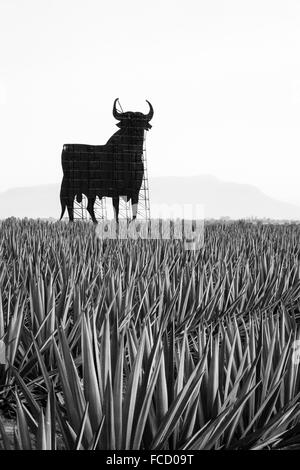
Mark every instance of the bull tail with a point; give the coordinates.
(63, 207)
(62, 212)
(62, 201)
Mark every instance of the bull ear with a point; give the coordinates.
(116, 113)
(149, 116)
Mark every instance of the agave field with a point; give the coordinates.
(140, 344)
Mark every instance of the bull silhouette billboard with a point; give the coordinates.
(113, 170)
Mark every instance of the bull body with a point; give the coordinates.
(113, 170)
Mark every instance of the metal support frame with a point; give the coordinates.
(81, 213)
(143, 211)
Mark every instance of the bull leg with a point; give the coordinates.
(134, 205)
(116, 208)
(90, 208)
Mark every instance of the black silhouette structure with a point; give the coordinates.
(113, 170)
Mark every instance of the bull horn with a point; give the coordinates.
(149, 116)
(116, 113)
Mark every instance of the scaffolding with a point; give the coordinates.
(143, 210)
(81, 213)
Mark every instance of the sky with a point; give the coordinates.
(223, 77)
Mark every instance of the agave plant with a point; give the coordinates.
(140, 344)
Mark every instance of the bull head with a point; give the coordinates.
(131, 119)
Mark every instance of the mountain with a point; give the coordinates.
(221, 198)
(218, 198)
